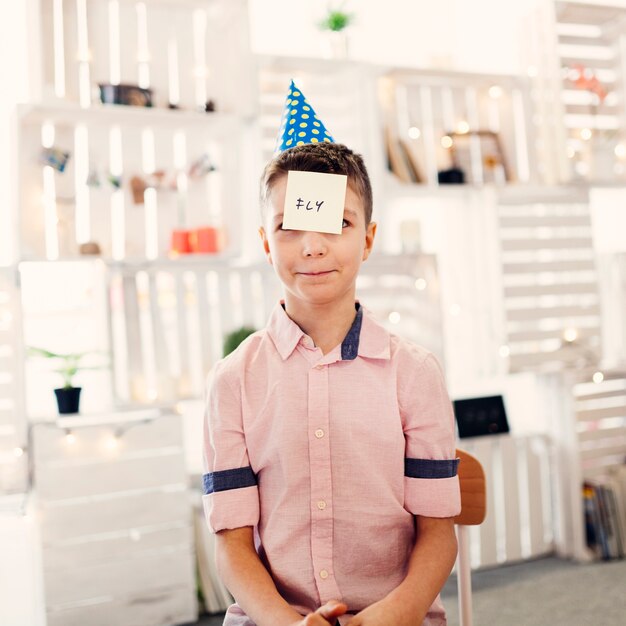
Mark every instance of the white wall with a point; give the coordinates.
(481, 35)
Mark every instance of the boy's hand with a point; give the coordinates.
(383, 613)
(326, 614)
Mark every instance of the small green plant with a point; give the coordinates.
(336, 20)
(232, 340)
(69, 364)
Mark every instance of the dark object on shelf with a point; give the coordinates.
(115, 181)
(54, 157)
(453, 176)
(137, 188)
(132, 95)
(476, 417)
(173, 106)
(89, 248)
(232, 340)
(201, 166)
(68, 399)
(209, 107)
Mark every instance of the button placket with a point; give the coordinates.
(321, 483)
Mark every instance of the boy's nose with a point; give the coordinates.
(313, 243)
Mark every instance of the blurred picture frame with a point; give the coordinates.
(479, 154)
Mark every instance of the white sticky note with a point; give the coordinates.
(315, 201)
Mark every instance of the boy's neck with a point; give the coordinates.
(326, 324)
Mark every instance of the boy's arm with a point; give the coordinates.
(429, 566)
(247, 579)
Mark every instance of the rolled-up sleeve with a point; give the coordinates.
(431, 485)
(230, 497)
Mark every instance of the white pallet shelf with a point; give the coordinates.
(67, 113)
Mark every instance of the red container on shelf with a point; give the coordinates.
(204, 240)
(180, 242)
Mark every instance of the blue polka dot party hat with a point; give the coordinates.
(300, 124)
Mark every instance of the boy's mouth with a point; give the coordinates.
(315, 273)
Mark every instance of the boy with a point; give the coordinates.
(331, 479)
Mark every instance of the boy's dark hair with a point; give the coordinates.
(330, 158)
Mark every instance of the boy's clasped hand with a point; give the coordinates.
(381, 613)
(326, 614)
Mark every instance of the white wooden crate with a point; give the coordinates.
(519, 474)
(187, 52)
(177, 314)
(601, 423)
(115, 519)
(421, 107)
(550, 286)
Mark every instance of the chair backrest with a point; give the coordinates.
(473, 490)
(473, 512)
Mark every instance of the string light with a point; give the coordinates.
(570, 335)
(394, 317)
(420, 284)
(585, 134)
(504, 351)
(113, 441)
(495, 91)
(414, 132)
(463, 127)
(620, 151)
(598, 377)
(18, 452)
(446, 141)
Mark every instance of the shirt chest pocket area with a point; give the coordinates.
(275, 427)
(370, 421)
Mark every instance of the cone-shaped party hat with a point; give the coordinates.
(300, 123)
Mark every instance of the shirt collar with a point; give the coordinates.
(366, 337)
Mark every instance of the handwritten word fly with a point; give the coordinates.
(308, 206)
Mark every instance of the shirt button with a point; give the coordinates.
(319, 433)
(324, 574)
(321, 505)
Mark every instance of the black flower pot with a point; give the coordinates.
(68, 399)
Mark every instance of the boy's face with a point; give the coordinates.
(317, 268)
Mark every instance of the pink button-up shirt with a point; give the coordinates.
(329, 457)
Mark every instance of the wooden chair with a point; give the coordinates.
(473, 512)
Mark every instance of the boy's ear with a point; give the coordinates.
(370, 233)
(266, 244)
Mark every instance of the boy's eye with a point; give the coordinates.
(345, 223)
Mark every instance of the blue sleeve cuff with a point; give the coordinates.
(224, 480)
(430, 468)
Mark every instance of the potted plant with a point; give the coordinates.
(68, 396)
(336, 21)
(232, 340)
